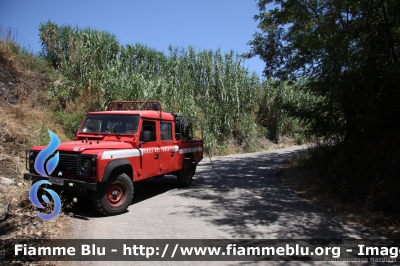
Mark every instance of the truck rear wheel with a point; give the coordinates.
(114, 196)
(185, 175)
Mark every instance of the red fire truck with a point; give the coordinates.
(130, 142)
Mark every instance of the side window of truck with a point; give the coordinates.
(148, 131)
(183, 129)
(166, 131)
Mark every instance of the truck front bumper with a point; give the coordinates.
(63, 182)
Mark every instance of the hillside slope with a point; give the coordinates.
(25, 117)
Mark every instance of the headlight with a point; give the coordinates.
(87, 164)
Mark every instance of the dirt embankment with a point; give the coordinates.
(24, 113)
(7, 85)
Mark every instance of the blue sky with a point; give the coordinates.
(203, 24)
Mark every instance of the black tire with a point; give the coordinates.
(114, 196)
(185, 175)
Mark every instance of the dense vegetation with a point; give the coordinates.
(92, 69)
(332, 71)
(346, 54)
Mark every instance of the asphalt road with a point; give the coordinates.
(247, 201)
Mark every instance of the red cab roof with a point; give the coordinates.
(146, 109)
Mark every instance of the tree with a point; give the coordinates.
(347, 55)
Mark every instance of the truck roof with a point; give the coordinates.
(146, 109)
(145, 114)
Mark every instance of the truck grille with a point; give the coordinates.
(68, 164)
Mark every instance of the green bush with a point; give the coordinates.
(69, 122)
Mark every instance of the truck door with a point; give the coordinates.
(150, 149)
(168, 155)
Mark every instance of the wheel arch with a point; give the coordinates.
(192, 158)
(118, 166)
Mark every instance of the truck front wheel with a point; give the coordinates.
(114, 196)
(185, 175)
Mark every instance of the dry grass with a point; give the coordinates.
(20, 128)
(24, 76)
(24, 120)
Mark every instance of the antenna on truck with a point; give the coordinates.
(144, 102)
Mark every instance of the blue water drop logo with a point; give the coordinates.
(50, 167)
(45, 153)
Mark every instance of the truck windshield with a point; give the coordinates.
(110, 123)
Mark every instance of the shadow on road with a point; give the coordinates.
(250, 202)
(153, 187)
(246, 200)
(83, 209)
